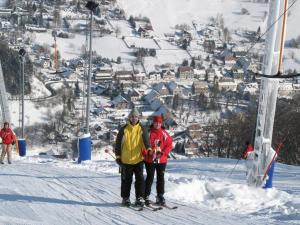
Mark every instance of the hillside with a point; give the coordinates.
(165, 14)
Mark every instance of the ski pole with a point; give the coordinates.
(279, 147)
(108, 152)
(234, 167)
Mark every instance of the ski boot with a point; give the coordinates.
(147, 201)
(126, 202)
(139, 202)
(160, 200)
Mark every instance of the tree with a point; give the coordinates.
(185, 62)
(175, 102)
(119, 60)
(11, 66)
(132, 22)
(56, 14)
(117, 30)
(193, 64)
(226, 34)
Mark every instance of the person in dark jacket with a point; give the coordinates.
(8, 139)
(156, 160)
(131, 140)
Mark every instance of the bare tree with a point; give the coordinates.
(117, 30)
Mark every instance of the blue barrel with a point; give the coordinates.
(22, 147)
(84, 145)
(270, 176)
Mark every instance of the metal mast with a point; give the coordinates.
(268, 92)
(5, 114)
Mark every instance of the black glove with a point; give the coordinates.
(119, 161)
(13, 143)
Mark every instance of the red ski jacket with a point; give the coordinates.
(7, 136)
(165, 146)
(248, 150)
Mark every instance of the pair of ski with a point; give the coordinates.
(153, 207)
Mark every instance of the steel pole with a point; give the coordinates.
(89, 77)
(22, 134)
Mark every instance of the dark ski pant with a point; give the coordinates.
(126, 179)
(160, 173)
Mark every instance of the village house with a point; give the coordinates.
(247, 89)
(238, 74)
(5, 25)
(149, 97)
(161, 89)
(163, 110)
(185, 72)
(123, 75)
(143, 32)
(35, 28)
(97, 89)
(229, 61)
(45, 62)
(156, 104)
(200, 74)
(103, 75)
(119, 102)
(209, 45)
(210, 74)
(185, 144)
(194, 131)
(134, 95)
(139, 77)
(154, 76)
(174, 88)
(226, 84)
(200, 87)
(286, 89)
(168, 75)
(239, 51)
(191, 148)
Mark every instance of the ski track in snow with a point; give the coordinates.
(62, 192)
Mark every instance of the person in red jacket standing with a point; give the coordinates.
(156, 160)
(8, 139)
(248, 151)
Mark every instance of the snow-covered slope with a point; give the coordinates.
(42, 190)
(165, 14)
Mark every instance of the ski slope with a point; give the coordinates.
(42, 190)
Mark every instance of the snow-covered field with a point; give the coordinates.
(43, 190)
(165, 14)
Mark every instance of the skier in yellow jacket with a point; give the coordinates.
(131, 140)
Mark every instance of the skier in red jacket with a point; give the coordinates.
(156, 159)
(249, 149)
(8, 139)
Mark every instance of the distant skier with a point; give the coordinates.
(248, 155)
(249, 150)
(131, 140)
(156, 159)
(8, 139)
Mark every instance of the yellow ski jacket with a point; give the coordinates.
(131, 141)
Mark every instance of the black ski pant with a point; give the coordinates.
(126, 179)
(160, 174)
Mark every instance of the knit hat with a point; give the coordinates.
(157, 119)
(134, 112)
